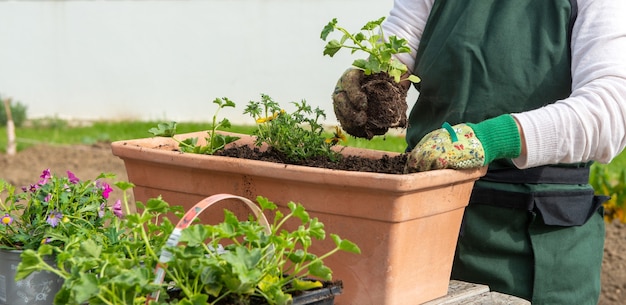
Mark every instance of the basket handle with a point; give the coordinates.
(187, 220)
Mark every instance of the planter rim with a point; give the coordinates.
(156, 150)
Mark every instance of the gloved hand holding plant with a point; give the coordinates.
(464, 146)
(370, 98)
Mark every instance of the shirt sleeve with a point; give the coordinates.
(407, 20)
(590, 124)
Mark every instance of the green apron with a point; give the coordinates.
(536, 233)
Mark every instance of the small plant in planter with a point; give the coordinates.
(293, 136)
(214, 141)
(251, 261)
(384, 80)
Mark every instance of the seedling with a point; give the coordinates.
(371, 41)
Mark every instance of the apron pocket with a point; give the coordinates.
(572, 208)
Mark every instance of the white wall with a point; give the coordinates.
(167, 60)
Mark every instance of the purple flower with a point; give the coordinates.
(45, 175)
(72, 177)
(6, 219)
(48, 197)
(33, 188)
(117, 209)
(106, 190)
(101, 210)
(54, 218)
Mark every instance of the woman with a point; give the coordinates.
(536, 89)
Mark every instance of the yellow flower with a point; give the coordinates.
(271, 117)
(7, 219)
(338, 136)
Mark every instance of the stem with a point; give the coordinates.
(126, 208)
(356, 42)
(105, 299)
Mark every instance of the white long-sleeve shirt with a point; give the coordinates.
(588, 125)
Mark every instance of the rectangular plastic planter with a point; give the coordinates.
(406, 225)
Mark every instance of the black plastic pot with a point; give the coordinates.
(322, 296)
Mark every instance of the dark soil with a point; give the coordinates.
(387, 164)
(88, 161)
(387, 105)
(368, 105)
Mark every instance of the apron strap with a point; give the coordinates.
(541, 174)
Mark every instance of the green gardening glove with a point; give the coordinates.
(466, 146)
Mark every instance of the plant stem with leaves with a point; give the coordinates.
(214, 141)
(371, 40)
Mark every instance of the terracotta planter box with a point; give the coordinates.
(406, 225)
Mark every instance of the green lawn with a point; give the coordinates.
(65, 132)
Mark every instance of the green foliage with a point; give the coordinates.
(243, 259)
(371, 41)
(611, 183)
(214, 142)
(104, 267)
(18, 113)
(297, 135)
(116, 265)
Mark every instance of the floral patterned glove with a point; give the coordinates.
(465, 146)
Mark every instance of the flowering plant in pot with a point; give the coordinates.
(116, 266)
(46, 213)
(111, 266)
(52, 208)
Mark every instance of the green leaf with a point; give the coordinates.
(360, 37)
(396, 43)
(30, 262)
(332, 47)
(360, 63)
(329, 28)
(224, 102)
(396, 74)
(63, 296)
(195, 235)
(318, 269)
(268, 283)
(265, 203)
(281, 298)
(85, 287)
(306, 284)
(196, 299)
(299, 211)
(316, 229)
(414, 79)
(300, 256)
(156, 205)
(371, 25)
(345, 245)
(164, 129)
(89, 248)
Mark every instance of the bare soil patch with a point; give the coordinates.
(87, 161)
